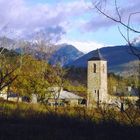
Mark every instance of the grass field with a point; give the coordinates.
(32, 122)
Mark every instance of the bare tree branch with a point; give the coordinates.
(98, 8)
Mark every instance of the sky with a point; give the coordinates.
(74, 22)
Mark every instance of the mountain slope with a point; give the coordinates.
(6, 43)
(62, 54)
(65, 54)
(8, 53)
(116, 56)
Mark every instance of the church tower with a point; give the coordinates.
(97, 80)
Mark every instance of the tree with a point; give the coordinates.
(44, 45)
(55, 77)
(8, 66)
(31, 78)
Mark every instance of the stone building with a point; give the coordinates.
(66, 98)
(97, 80)
(58, 96)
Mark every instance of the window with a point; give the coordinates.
(103, 68)
(98, 97)
(94, 68)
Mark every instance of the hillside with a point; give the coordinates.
(7, 43)
(65, 54)
(117, 57)
(62, 54)
(8, 53)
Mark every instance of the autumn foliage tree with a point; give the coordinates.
(8, 65)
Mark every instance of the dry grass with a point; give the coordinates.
(36, 122)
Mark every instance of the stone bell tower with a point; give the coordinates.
(97, 80)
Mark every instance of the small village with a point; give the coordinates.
(70, 69)
(97, 90)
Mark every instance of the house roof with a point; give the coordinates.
(96, 56)
(63, 93)
(68, 95)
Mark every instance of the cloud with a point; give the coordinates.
(126, 7)
(98, 23)
(84, 46)
(20, 19)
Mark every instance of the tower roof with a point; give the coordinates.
(96, 56)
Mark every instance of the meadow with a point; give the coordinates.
(37, 122)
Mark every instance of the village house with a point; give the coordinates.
(60, 97)
(53, 97)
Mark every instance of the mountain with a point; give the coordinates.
(6, 43)
(65, 54)
(8, 53)
(117, 56)
(62, 54)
